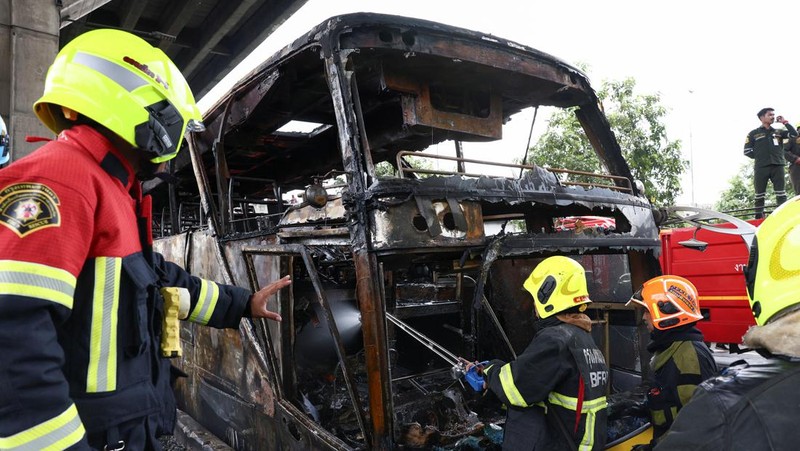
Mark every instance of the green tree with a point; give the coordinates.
(740, 194)
(637, 122)
(387, 169)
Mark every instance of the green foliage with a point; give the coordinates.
(637, 122)
(740, 195)
(387, 169)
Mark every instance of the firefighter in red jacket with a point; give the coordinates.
(555, 390)
(80, 310)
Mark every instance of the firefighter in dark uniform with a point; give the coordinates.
(765, 146)
(753, 407)
(555, 390)
(80, 309)
(791, 151)
(5, 144)
(681, 360)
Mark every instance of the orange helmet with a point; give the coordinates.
(671, 301)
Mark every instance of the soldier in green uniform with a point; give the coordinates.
(791, 151)
(765, 146)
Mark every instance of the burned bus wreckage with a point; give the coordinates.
(396, 232)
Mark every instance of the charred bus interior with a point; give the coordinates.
(358, 160)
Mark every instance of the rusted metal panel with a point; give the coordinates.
(418, 109)
(333, 211)
(405, 225)
(367, 275)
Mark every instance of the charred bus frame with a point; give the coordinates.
(427, 244)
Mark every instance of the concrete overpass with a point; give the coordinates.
(205, 38)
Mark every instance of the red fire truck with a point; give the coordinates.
(712, 255)
(716, 271)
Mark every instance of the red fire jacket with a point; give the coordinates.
(80, 313)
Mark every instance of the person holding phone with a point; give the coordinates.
(765, 145)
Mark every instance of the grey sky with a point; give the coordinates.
(735, 57)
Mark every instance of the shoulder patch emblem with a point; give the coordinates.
(28, 207)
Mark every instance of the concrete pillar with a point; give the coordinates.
(28, 44)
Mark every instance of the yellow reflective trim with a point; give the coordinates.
(587, 441)
(36, 292)
(206, 302)
(589, 407)
(722, 298)
(212, 302)
(57, 433)
(568, 402)
(685, 393)
(509, 388)
(200, 302)
(564, 401)
(595, 404)
(102, 372)
(113, 327)
(37, 281)
(39, 269)
(655, 311)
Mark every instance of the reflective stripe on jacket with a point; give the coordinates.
(551, 369)
(678, 370)
(79, 296)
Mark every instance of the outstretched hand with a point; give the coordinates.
(258, 301)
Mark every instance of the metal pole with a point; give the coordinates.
(691, 146)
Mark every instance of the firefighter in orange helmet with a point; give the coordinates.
(681, 360)
(753, 406)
